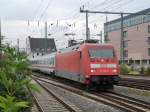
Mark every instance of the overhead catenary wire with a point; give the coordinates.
(105, 2)
(101, 4)
(44, 11)
(107, 5)
(124, 3)
(78, 15)
(37, 9)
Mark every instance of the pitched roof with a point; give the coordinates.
(41, 44)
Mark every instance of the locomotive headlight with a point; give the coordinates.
(114, 70)
(92, 70)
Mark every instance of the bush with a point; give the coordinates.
(15, 81)
(142, 70)
(147, 71)
(9, 104)
(124, 69)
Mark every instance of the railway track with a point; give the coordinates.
(48, 101)
(128, 102)
(38, 106)
(116, 100)
(135, 83)
(34, 107)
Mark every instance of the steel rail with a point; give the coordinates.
(123, 105)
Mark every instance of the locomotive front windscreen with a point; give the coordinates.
(101, 53)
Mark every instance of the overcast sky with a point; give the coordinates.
(15, 15)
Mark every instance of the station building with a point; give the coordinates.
(40, 46)
(136, 34)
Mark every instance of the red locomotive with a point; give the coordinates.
(94, 65)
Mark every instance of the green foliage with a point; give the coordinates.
(147, 71)
(9, 104)
(29, 85)
(13, 87)
(124, 69)
(15, 81)
(142, 70)
(15, 63)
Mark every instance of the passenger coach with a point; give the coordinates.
(44, 63)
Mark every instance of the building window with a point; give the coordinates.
(148, 40)
(144, 62)
(137, 62)
(125, 44)
(125, 53)
(148, 28)
(106, 39)
(125, 34)
(148, 61)
(148, 51)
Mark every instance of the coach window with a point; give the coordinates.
(46, 61)
(42, 61)
(51, 61)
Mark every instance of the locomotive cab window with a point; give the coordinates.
(101, 53)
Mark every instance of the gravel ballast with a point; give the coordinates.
(86, 105)
(132, 92)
